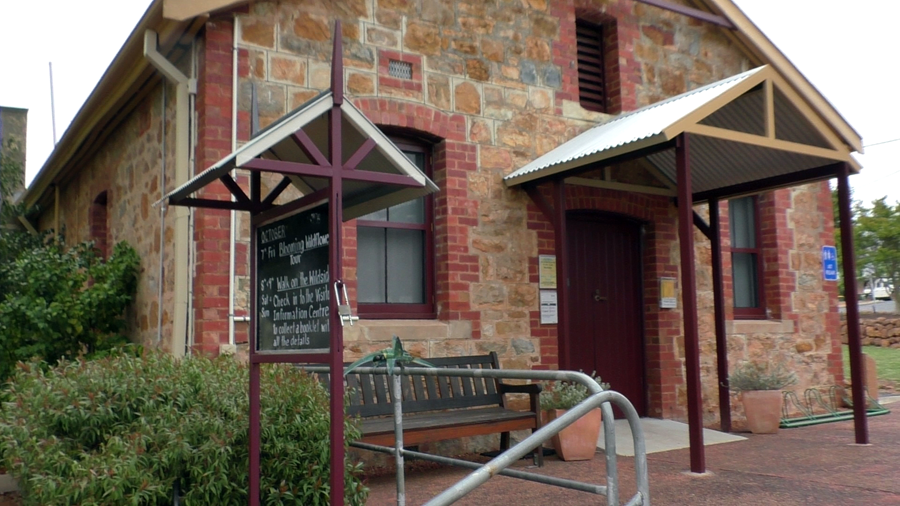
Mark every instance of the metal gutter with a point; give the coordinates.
(121, 82)
(185, 89)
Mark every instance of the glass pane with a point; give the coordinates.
(370, 270)
(742, 222)
(743, 268)
(413, 211)
(406, 266)
(408, 212)
(376, 216)
(417, 158)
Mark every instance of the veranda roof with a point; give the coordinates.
(748, 132)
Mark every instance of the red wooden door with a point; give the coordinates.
(605, 300)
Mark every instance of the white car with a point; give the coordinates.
(883, 290)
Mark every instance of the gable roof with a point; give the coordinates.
(744, 129)
(764, 52)
(130, 76)
(279, 143)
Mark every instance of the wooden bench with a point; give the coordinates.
(439, 408)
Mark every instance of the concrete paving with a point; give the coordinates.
(810, 465)
(662, 436)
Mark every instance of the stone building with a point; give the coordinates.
(13, 127)
(483, 96)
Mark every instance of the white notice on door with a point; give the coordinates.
(548, 307)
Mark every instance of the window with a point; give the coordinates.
(746, 258)
(99, 224)
(395, 254)
(592, 90)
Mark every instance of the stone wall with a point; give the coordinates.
(496, 84)
(883, 331)
(128, 170)
(802, 328)
(493, 86)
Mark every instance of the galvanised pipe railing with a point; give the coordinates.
(599, 397)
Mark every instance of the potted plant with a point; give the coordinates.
(578, 441)
(760, 388)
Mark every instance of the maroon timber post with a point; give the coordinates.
(335, 355)
(689, 305)
(295, 245)
(562, 274)
(860, 423)
(715, 238)
(335, 219)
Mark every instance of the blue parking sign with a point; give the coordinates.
(829, 263)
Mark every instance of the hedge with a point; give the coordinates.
(129, 428)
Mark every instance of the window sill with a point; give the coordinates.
(367, 332)
(759, 327)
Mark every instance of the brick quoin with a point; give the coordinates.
(454, 213)
(832, 317)
(212, 226)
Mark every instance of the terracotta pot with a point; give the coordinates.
(579, 440)
(763, 410)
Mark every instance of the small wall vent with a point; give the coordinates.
(400, 69)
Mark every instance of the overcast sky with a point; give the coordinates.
(848, 53)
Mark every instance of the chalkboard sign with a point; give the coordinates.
(293, 295)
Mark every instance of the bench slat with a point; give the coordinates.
(353, 386)
(379, 381)
(385, 425)
(405, 388)
(417, 384)
(493, 364)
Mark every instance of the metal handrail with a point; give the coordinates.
(599, 397)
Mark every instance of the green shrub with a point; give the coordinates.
(61, 302)
(566, 394)
(122, 429)
(750, 376)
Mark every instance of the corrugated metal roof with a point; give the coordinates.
(276, 143)
(631, 128)
(727, 123)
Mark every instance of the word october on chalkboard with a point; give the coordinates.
(293, 296)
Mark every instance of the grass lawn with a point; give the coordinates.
(887, 360)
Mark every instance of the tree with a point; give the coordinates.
(878, 247)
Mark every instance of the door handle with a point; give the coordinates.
(597, 297)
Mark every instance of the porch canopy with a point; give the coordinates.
(743, 135)
(376, 174)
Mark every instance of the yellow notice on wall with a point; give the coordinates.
(667, 298)
(547, 271)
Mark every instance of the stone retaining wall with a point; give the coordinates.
(883, 331)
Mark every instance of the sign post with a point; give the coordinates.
(295, 260)
(296, 291)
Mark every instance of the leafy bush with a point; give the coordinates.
(61, 302)
(123, 429)
(567, 394)
(750, 376)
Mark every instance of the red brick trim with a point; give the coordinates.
(662, 328)
(454, 214)
(212, 227)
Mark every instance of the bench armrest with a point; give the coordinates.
(531, 389)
